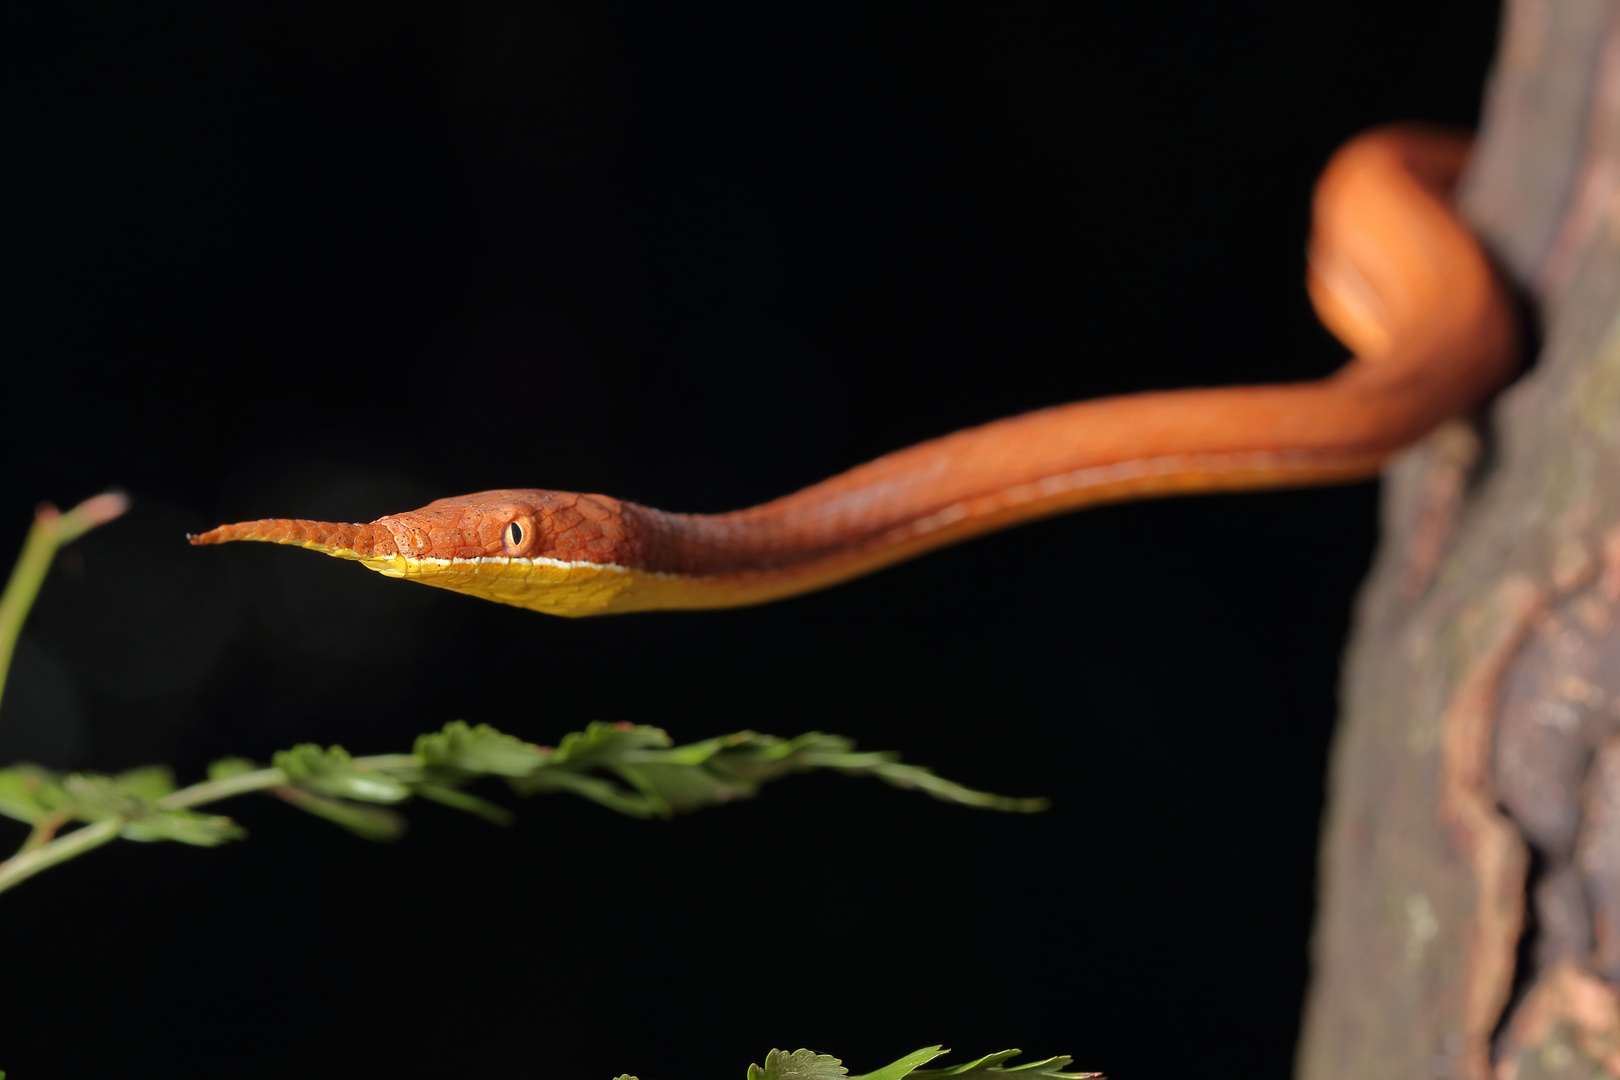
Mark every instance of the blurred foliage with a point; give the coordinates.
(631, 768)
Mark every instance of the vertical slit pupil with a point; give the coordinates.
(517, 533)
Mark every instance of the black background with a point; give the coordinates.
(336, 262)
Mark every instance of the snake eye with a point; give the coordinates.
(518, 536)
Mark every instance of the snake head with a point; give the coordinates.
(551, 551)
(507, 524)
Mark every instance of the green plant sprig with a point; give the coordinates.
(51, 530)
(630, 768)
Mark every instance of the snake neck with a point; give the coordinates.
(1037, 465)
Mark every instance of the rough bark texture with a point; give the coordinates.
(1470, 891)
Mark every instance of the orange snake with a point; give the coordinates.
(1393, 274)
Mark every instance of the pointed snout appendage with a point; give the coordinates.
(344, 541)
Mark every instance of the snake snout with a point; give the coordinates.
(443, 533)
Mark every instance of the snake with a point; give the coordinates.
(1391, 271)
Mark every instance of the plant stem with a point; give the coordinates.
(37, 854)
(43, 832)
(25, 865)
(26, 577)
(51, 529)
(259, 779)
(213, 790)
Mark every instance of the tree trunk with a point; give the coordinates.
(1470, 889)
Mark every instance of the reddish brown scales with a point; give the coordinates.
(364, 541)
(1392, 273)
(559, 525)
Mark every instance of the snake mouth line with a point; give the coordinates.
(505, 560)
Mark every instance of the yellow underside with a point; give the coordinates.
(575, 589)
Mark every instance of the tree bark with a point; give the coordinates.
(1469, 920)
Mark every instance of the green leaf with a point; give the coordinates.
(696, 753)
(186, 826)
(603, 792)
(460, 800)
(28, 793)
(367, 822)
(95, 798)
(480, 749)
(149, 781)
(987, 1066)
(673, 779)
(799, 1065)
(906, 1065)
(765, 757)
(990, 1065)
(603, 744)
(887, 767)
(228, 767)
(32, 791)
(677, 789)
(333, 772)
(730, 767)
